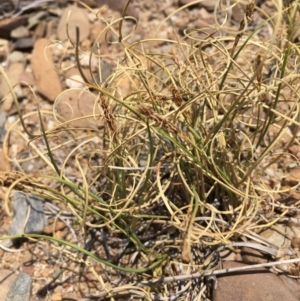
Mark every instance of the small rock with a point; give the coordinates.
(20, 32)
(86, 61)
(295, 150)
(21, 289)
(296, 242)
(28, 78)
(205, 15)
(59, 289)
(76, 103)
(9, 24)
(24, 44)
(72, 17)
(75, 81)
(37, 220)
(273, 131)
(14, 72)
(74, 71)
(293, 178)
(86, 45)
(61, 234)
(56, 297)
(47, 79)
(280, 237)
(16, 56)
(238, 12)
(56, 226)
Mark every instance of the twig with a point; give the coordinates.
(10, 250)
(194, 276)
(31, 5)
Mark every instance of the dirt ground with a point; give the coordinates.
(24, 36)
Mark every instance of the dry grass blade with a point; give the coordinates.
(192, 159)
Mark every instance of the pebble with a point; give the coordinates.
(293, 177)
(58, 289)
(71, 17)
(20, 289)
(75, 81)
(47, 79)
(28, 78)
(24, 44)
(56, 226)
(75, 103)
(20, 32)
(280, 237)
(86, 61)
(9, 24)
(13, 73)
(37, 220)
(16, 56)
(238, 12)
(61, 234)
(56, 297)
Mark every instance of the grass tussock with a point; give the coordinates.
(187, 154)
